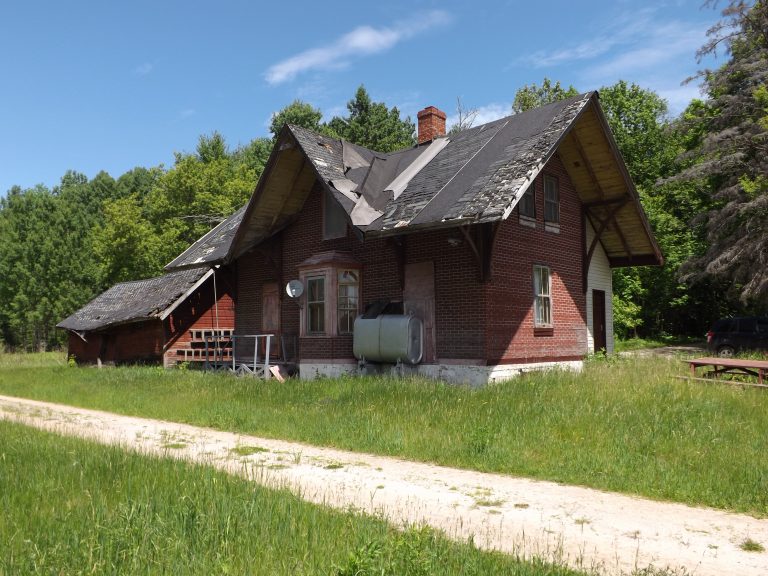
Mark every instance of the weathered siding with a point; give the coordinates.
(138, 342)
(200, 312)
(599, 278)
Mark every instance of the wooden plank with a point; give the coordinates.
(721, 381)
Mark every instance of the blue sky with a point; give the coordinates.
(100, 85)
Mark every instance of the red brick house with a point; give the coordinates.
(500, 238)
(158, 320)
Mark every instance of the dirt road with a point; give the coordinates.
(579, 526)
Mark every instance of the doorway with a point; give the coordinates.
(419, 300)
(598, 320)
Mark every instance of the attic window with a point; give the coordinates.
(334, 219)
(551, 200)
(528, 202)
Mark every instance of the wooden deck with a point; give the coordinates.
(716, 368)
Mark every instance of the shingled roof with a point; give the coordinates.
(212, 247)
(475, 176)
(137, 301)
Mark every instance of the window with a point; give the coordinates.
(334, 219)
(316, 305)
(528, 202)
(331, 300)
(551, 200)
(542, 291)
(349, 291)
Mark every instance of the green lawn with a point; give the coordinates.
(84, 508)
(623, 424)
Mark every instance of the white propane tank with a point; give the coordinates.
(389, 338)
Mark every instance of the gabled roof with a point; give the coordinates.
(136, 301)
(475, 176)
(212, 247)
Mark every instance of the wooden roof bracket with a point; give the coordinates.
(482, 246)
(603, 225)
(398, 244)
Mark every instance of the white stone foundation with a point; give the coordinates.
(468, 374)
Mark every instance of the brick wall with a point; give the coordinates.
(509, 312)
(474, 321)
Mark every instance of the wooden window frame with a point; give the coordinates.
(549, 203)
(529, 193)
(323, 303)
(539, 297)
(330, 276)
(341, 310)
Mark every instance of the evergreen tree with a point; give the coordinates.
(731, 155)
(373, 125)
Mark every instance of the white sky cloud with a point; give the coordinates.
(362, 41)
(143, 69)
(485, 114)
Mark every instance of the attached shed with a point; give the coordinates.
(165, 319)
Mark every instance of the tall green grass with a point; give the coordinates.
(624, 425)
(72, 507)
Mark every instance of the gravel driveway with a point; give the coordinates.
(579, 526)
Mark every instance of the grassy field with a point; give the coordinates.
(108, 511)
(623, 424)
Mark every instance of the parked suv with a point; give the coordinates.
(731, 335)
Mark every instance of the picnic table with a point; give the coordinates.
(733, 366)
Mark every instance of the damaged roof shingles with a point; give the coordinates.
(478, 176)
(132, 301)
(211, 248)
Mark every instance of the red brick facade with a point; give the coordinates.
(476, 322)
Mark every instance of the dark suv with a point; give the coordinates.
(731, 335)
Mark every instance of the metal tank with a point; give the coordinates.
(388, 338)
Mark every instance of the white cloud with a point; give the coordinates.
(143, 69)
(187, 113)
(362, 41)
(669, 43)
(484, 114)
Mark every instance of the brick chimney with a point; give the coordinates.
(431, 124)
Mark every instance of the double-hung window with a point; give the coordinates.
(551, 200)
(331, 300)
(315, 305)
(542, 297)
(347, 303)
(527, 203)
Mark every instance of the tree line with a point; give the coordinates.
(702, 179)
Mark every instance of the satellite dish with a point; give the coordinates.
(294, 288)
